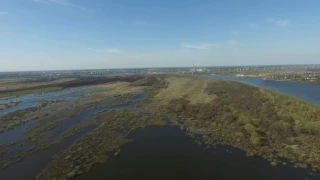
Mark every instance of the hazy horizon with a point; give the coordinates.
(169, 67)
(70, 35)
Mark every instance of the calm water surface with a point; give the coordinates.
(307, 92)
(33, 100)
(164, 152)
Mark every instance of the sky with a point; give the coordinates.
(88, 34)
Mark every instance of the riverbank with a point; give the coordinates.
(256, 120)
(16, 88)
(67, 113)
(305, 92)
(268, 76)
(165, 152)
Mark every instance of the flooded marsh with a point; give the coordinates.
(77, 132)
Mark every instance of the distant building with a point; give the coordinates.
(193, 70)
(239, 75)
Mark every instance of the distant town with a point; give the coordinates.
(297, 73)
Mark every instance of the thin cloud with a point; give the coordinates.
(253, 25)
(233, 42)
(3, 13)
(280, 23)
(197, 46)
(40, 1)
(235, 33)
(270, 20)
(60, 2)
(283, 23)
(114, 50)
(110, 50)
(139, 22)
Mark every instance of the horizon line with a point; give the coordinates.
(155, 67)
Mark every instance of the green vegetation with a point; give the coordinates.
(309, 81)
(258, 121)
(148, 81)
(261, 122)
(115, 89)
(55, 114)
(13, 119)
(120, 90)
(107, 138)
(94, 146)
(86, 151)
(39, 135)
(22, 85)
(291, 75)
(43, 84)
(191, 89)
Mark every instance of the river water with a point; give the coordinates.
(307, 92)
(165, 152)
(33, 100)
(32, 165)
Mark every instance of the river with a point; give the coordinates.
(307, 92)
(166, 153)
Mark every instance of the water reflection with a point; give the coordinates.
(166, 153)
(33, 100)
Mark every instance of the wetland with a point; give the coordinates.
(172, 127)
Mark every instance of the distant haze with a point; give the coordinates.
(83, 34)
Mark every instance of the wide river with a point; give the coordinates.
(307, 92)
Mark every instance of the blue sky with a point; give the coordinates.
(84, 34)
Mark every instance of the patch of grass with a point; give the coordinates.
(113, 89)
(93, 147)
(192, 89)
(148, 81)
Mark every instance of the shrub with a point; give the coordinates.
(249, 128)
(255, 139)
(255, 121)
(178, 107)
